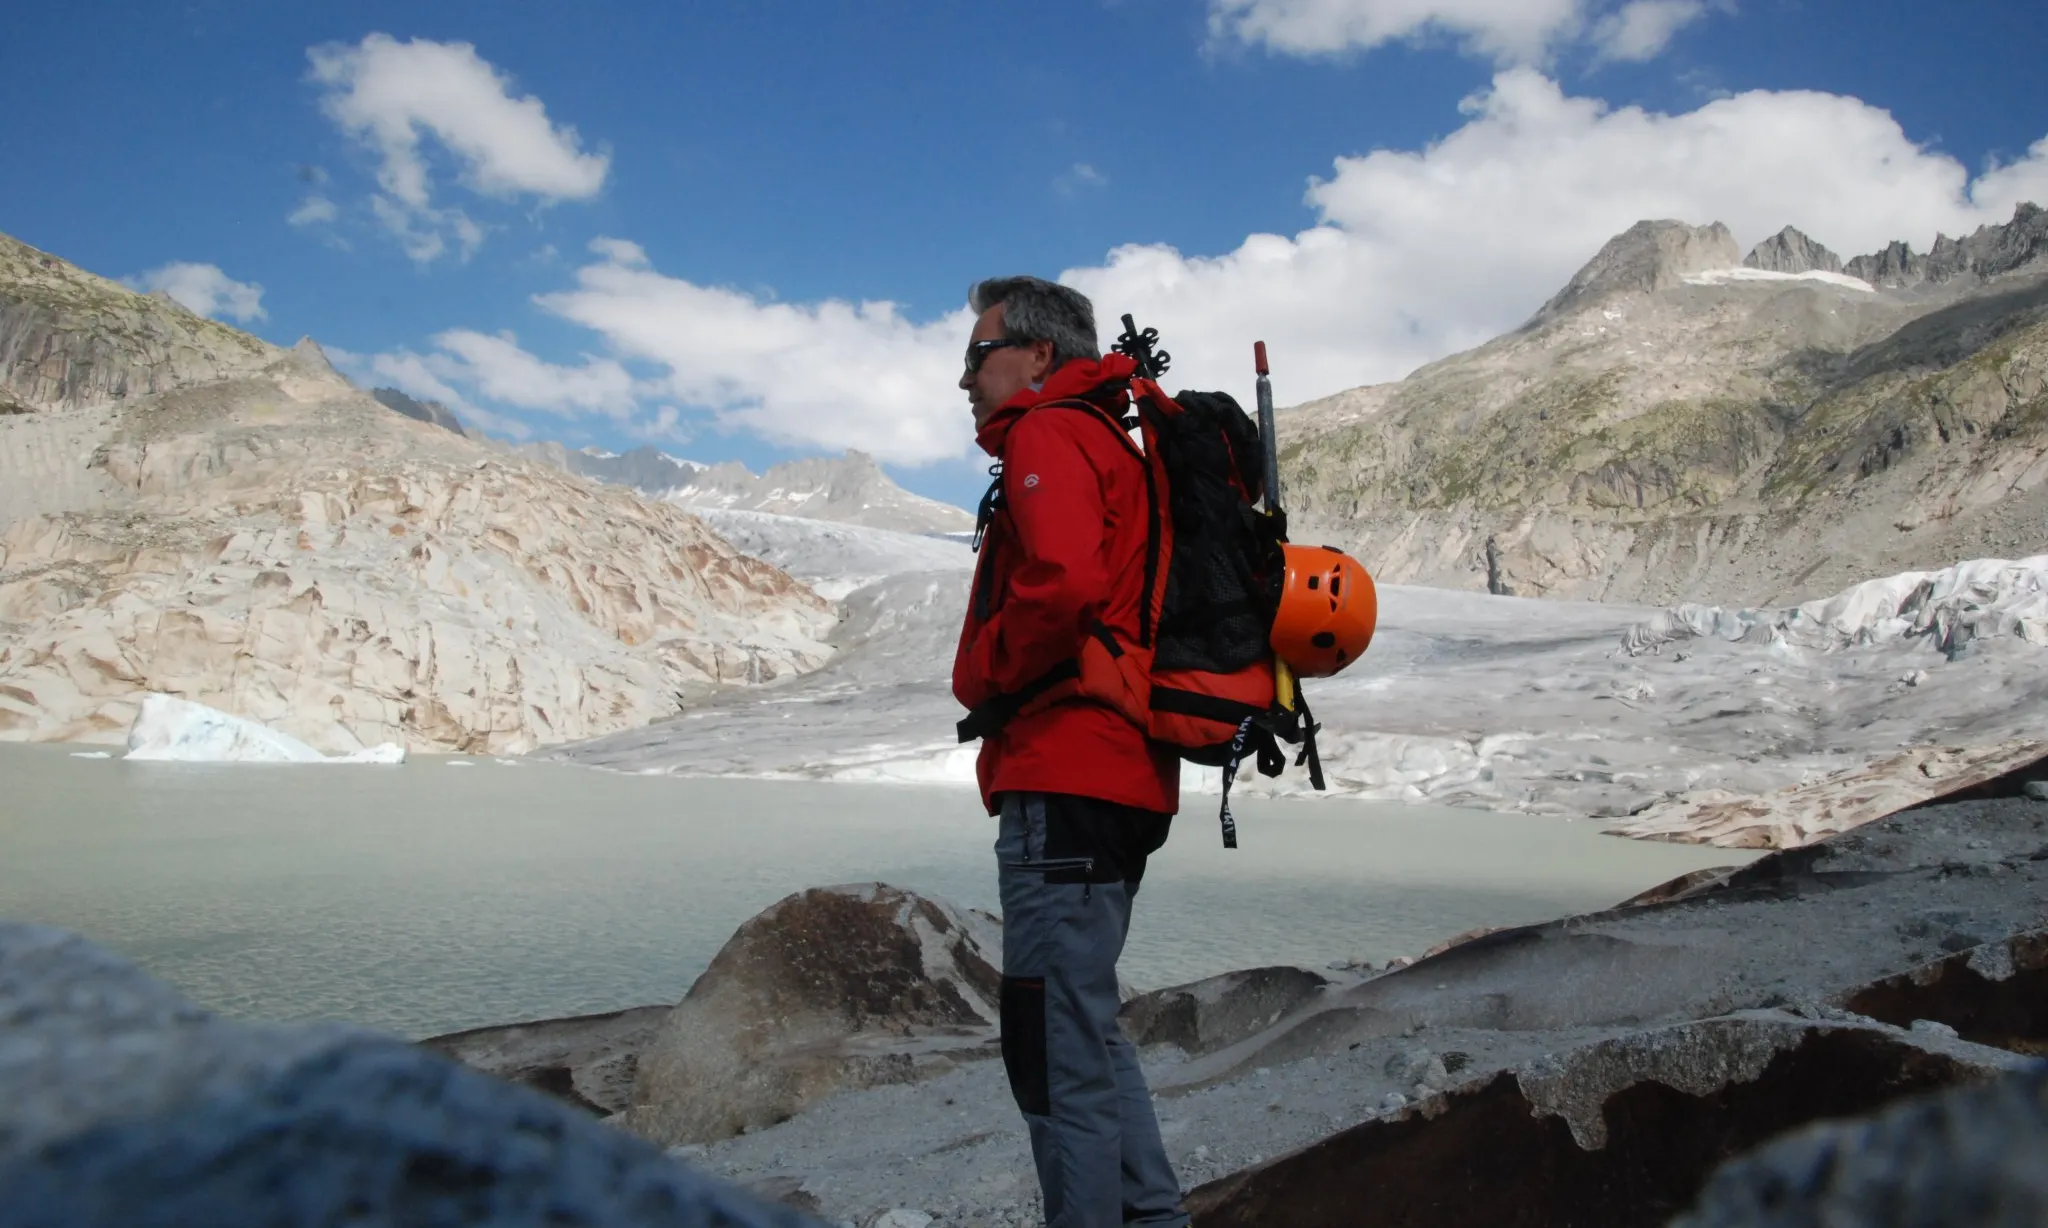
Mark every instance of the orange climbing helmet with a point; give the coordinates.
(1328, 609)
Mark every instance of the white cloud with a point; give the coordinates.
(315, 210)
(390, 96)
(501, 371)
(1508, 30)
(1640, 30)
(1078, 176)
(204, 290)
(832, 375)
(623, 252)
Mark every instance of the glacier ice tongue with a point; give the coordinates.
(169, 729)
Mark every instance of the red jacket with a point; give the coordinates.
(1065, 551)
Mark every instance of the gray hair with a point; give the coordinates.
(1038, 310)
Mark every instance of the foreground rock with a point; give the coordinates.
(123, 1106)
(1976, 1156)
(1620, 1133)
(831, 989)
(279, 546)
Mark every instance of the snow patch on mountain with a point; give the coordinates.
(1721, 277)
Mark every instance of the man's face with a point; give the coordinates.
(1004, 372)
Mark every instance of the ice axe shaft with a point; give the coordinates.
(1267, 440)
(1283, 677)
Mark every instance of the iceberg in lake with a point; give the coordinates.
(177, 730)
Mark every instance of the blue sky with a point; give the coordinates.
(745, 231)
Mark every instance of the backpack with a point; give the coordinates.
(1202, 678)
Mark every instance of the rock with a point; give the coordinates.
(136, 344)
(1218, 1012)
(589, 1061)
(1420, 1067)
(1647, 257)
(829, 989)
(122, 1104)
(1928, 1027)
(1623, 445)
(189, 510)
(286, 550)
(1393, 1102)
(1535, 1146)
(1969, 1156)
(1789, 251)
(901, 1217)
(1993, 994)
(420, 411)
(2036, 789)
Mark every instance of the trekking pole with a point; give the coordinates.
(1283, 675)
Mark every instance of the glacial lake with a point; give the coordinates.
(446, 894)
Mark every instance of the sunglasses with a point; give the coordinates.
(978, 351)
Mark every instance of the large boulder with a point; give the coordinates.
(830, 989)
(122, 1104)
(1620, 1133)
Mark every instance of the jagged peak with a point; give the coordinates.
(1791, 251)
(1649, 256)
(1989, 251)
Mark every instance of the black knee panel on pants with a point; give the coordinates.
(1023, 1021)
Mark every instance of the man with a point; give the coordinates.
(1083, 796)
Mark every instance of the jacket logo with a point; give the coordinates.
(1030, 480)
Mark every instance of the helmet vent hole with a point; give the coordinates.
(1336, 585)
(1323, 639)
(1342, 656)
(1314, 583)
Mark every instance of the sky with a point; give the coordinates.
(746, 232)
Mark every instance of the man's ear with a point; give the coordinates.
(1042, 362)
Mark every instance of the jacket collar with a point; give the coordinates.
(1076, 379)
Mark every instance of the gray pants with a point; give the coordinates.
(1069, 867)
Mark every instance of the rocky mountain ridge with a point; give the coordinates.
(69, 338)
(851, 488)
(432, 412)
(1679, 424)
(274, 543)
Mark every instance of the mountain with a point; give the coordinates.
(851, 488)
(1676, 424)
(419, 411)
(186, 509)
(69, 338)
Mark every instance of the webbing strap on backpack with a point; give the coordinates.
(1256, 735)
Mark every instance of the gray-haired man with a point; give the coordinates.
(1084, 797)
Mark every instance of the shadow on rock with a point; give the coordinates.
(1617, 1134)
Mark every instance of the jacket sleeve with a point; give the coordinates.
(1059, 585)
